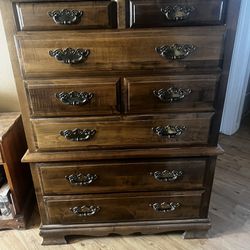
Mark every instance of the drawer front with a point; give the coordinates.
(66, 15)
(122, 177)
(73, 97)
(170, 94)
(71, 134)
(151, 13)
(123, 207)
(63, 54)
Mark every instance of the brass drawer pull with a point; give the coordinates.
(165, 206)
(175, 51)
(171, 94)
(81, 179)
(169, 131)
(85, 210)
(177, 12)
(167, 176)
(65, 16)
(78, 134)
(69, 55)
(74, 98)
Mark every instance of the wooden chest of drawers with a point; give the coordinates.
(122, 102)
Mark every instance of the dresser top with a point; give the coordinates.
(6, 122)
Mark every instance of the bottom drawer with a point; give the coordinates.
(123, 207)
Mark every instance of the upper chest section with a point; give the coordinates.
(72, 15)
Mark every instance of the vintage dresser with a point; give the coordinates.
(122, 103)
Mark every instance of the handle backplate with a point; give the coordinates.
(66, 16)
(167, 176)
(70, 55)
(169, 131)
(171, 94)
(165, 206)
(80, 179)
(175, 51)
(85, 210)
(74, 98)
(78, 134)
(177, 12)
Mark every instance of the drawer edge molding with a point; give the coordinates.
(35, 157)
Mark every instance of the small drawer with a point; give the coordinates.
(160, 13)
(160, 94)
(63, 54)
(123, 207)
(126, 132)
(66, 15)
(73, 97)
(80, 178)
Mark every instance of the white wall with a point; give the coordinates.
(239, 74)
(8, 94)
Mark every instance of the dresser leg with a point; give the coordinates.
(195, 234)
(53, 240)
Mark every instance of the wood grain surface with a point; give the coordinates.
(96, 15)
(139, 96)
(123, 176)
(113, 132)
(118, 51)
(148, 13)
(44, 103)
(229, 212)
(123, 207)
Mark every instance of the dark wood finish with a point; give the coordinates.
(183, 54)
(107, 50)
(96, 14)
(116, 133)
(148, 13)
(56, 234)
(43, 100)
(125, 207)
(140, 97)
(123, 177)
(12, 147)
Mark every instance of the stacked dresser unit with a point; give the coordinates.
(122, 103)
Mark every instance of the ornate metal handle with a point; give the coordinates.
(65, 16)
(69, 55)
(175, 51)
(166, 175)
(74, 98)
(80, 179)
(165, 206)
(171, 94)
(177, 12)
(169, 131)
(78, 134)
(85, 210)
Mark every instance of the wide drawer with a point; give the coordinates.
(66, 15)
(123, 207)
(61, 54)
(115, 132)
(80, 178)
(152, 13)
(157, 94)
(72, 97)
